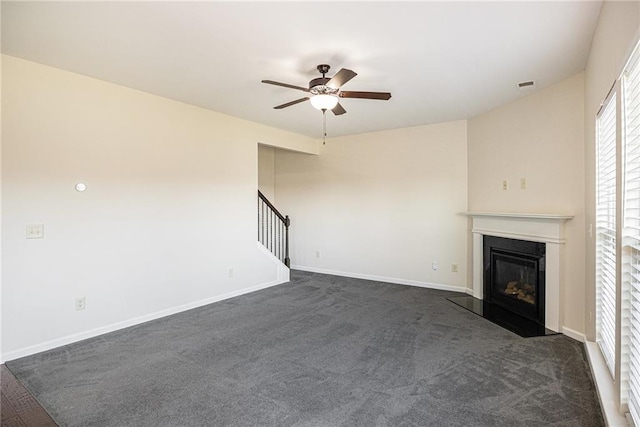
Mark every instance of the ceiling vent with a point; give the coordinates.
(526, 85)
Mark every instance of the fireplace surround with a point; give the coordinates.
(542, 228)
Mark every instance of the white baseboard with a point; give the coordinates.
(69, 339)
(604, 386)
(578, 336)
(383, 279)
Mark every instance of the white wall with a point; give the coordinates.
(170, 206)
(267, 172)
(540, 138)
(382, 205)
(615, 36)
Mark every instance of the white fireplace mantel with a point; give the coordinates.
(546, 228)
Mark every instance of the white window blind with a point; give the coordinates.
(631, 232)
(606, 232)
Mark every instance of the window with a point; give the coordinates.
(618, 237)
(631, 233)
(606, 231)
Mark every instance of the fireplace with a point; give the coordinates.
(547, 229)
(514, 276)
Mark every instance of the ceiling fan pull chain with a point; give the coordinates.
(324, 127)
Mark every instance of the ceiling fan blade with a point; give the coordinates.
(365, 95)
(341, 78)
(338, 110)
(271, 82)
(289, 104)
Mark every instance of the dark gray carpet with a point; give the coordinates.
(318, 351)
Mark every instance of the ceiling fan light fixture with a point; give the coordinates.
(324, 102)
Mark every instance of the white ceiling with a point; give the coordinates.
(441, 61)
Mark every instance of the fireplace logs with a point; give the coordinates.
(521, 291)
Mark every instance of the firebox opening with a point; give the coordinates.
(514, 276)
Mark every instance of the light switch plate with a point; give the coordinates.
(35, 231)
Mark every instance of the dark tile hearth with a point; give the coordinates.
(522, 326)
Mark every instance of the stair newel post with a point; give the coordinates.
(287, 261)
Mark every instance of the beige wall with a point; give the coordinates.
(539, 138)
(616, 34)
(170, 206)
(267, 171)
(382, 205)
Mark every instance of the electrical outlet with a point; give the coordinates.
(317, 254)
(454, 268)
(434, 265)
(505, 185)
(231, 273)
(35, 231)
(523, 183)
(80, 303)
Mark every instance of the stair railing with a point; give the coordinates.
(273, 229)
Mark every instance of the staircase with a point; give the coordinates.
(273, 229)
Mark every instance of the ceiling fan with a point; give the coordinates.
(325, 91)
